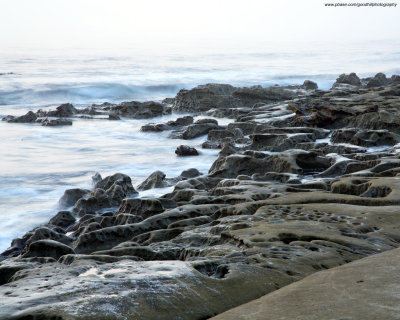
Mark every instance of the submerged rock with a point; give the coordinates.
(55, 122)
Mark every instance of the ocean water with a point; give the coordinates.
(38, 163)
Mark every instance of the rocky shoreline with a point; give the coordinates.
(306, 180)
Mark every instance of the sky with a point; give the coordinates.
(156, 24)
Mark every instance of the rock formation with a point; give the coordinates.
(306, 180)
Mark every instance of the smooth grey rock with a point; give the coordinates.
(190, 173)
(47, 248)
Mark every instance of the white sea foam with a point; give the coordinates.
(40, 163)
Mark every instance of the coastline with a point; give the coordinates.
(295, 190)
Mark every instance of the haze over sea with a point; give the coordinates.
(38, 163)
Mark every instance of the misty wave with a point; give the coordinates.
(87, 93)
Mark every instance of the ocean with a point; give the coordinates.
(38, 163)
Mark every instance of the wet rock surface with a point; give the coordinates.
(184, 150)
(306, 180)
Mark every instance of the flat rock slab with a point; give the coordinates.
(161, 290)
(365, 289)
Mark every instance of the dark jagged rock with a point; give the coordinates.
(251, 95)
(183, 121)
(139, 110)
(71, 196)
(202, 121)
(62, 219)
(226, 98)
(141, 206)
(155, 127)
(27, 118)
(279, 142)
(197, 130)
(205, 97)
(219, 134)
(365, 138)
(395, 79)
(310, 85)
(291, 161)
(168, 100)
(381, 120)
(170, 125)
(155, 180)
(379, 80)
(64, 110)
(108, 192)
(351, 79)
(117, 179)
(113, 116)
(183, 151)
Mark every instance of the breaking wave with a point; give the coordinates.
(87, 93)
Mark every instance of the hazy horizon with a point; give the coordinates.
(188, 26)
